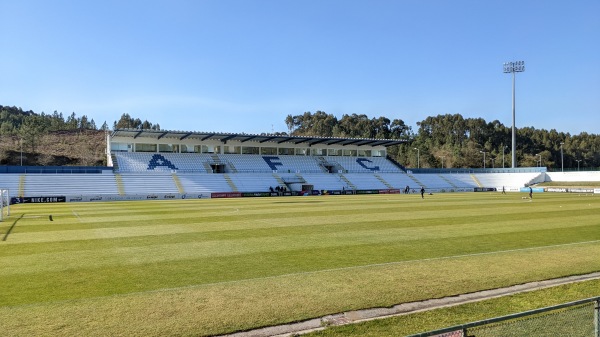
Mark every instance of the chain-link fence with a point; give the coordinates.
(574, 319)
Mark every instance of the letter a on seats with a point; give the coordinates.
(160, 161)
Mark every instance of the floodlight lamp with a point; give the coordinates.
(520, 66)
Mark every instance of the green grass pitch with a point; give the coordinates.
(206, 267)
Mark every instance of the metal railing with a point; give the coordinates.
(574, 319)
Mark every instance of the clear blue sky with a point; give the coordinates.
(244, 65)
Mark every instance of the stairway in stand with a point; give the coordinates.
(447, 180)
(230, 182)
(383, 181)
(476, 180)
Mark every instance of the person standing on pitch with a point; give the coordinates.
(530, 193)
(422, 192)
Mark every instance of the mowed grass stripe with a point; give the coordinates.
(342, 226)
(259, 242)
(561, 231)
(76, 283)
(209, 270)
(374, 225)
(268, 241)
(199, 247)
(268, 219)
(226, 307)
(211, 213)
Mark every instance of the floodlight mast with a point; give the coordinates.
(514, 67)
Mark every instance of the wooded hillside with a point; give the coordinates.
(29, 138)
(52, 139)
(458, 142)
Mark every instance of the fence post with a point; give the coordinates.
(597, 318)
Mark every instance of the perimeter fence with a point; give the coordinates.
(573, 319)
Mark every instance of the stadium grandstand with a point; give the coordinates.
(152, 164)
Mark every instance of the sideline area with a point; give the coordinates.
(357, 316)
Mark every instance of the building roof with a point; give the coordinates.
(243, 137)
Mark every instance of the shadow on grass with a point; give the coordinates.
(11, 227)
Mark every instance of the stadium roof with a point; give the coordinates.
(243, 137)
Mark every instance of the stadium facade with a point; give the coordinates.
(151, 164)
(128, 140)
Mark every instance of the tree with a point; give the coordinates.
(72, 122)
(30, 132)
(128, 122)
(308, 124)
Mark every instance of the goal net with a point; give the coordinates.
(4, 203)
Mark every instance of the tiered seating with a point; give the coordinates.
(253, 182)
(506, 179)
(69, 184)
(364, 181)
(462, 180)
(133, 162)
(300, 164)
(363, 164)
(161, 162)
(203, 183)
(399, 180)
(143, 183)
(11, 182)
(248, 163)
(432, 181)
(322, 181)
(189, 162)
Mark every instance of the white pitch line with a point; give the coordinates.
(77, 215)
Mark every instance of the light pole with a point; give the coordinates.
(483, 158)
(578, 160)
(540, 159)
(442, 161)
(562, 166)
(418, 155)
(514, 67)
